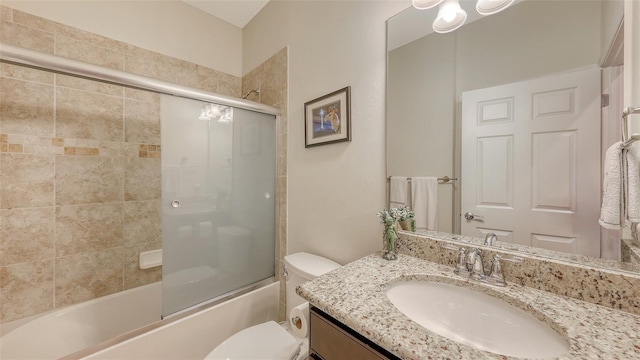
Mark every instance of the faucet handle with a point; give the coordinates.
(496, 277)
(461, 266)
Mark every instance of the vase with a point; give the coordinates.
(405, 224)
(390, 237)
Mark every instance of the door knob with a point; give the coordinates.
(471, 216)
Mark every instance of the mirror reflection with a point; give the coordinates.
(519, 107)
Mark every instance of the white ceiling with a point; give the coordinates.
(236, 12)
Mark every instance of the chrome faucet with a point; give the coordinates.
(475, 264)
(490, 238)
(470, 265)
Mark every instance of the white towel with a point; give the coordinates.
(397, 191)
(612, 202)
(621, 187)
(632, 185)
(424, 199)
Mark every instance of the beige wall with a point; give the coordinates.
(334, 191)
(172, 28)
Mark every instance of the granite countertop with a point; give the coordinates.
(355, 295)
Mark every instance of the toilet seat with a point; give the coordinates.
(263, 341)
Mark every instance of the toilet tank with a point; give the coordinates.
(300, 268)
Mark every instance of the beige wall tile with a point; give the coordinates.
(23, 73)
(207, 79)
(140, 95)
(88, 228)
(281, 162)
(133, 275)
(26, 180)
(73, 33)
(142, 179)
(187, 74)
(89, 53)
(112, 44)
(26, 37)
(88, 85)
(83, 277)
(6, 14)
(147, 63)
(33, 21)
(26, 108)
(86, 180)
(142, 222)
(281, 190)
(26, 235)
(25, 289)
(111, 148)
(142, 122)
(87, 115)
(229, 88)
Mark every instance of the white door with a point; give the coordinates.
(531, 162)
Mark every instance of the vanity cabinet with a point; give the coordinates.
(331, 340)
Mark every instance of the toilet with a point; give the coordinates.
(271, 340)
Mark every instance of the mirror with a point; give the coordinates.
(427, 73)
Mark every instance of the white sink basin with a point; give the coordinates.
(476, 319)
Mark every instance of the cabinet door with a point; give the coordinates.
(331, 342)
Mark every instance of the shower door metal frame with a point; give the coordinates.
(48, 62)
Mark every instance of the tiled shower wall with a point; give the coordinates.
(80, 183)
(271, 79)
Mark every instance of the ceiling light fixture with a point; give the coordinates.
(490, 7)
(216, 112)
(425, 4)
(451, 16)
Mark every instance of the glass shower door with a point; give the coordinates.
(218, 195)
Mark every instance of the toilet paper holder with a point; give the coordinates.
(297, 322)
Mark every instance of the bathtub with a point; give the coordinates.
(64, 331)
(87, 330)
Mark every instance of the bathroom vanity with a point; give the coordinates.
(353, 310)
(331, 340)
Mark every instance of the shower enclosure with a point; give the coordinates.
(215, 180)
(218, 200)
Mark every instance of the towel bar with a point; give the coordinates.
(626, 138)
(444, 179)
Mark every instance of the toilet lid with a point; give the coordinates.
(264, 341)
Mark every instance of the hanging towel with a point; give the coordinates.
(632, 185)
(621, 187)
(424, 199)
(612, 198)
(397, 191)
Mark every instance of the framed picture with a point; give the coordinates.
(327, 119)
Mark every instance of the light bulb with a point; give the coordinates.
(449, 15)
(213, 111)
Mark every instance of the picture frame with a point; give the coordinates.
(327, 119)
